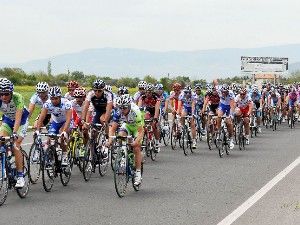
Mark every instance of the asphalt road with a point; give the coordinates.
(196, 189)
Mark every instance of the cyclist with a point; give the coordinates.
(292, 99)
(212, 100)
(39, 98)
(257, 100)
(274, 100)
(122, 91)
(197, 106)
(227, 107)
(142, 86)
(101, 101)
(174, 95)
(61, 118)
(150, 102)
(77, 104)
(185, 109)
(164, 101)
(14, 122)
(244, 106)
(130, 116)
(72, 85)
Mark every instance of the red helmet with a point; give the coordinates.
(79, 92)
(176, 87)
(73, 84)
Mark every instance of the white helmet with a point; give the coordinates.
(142, 84)
(6, 85)
(55, 91)
(124, 100)
(108, 88)
(42, 87)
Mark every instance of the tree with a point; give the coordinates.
(49, 69)
(77, 75)
(150, 79)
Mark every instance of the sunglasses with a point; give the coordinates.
(187, 92)
(98, 90)
(79, 96)
(5, 94)
(123, 107)
(54, 98)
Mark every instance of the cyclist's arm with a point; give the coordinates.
(193, 106)
(166, 105)
(108, 111)
(85, 109)
(140, 102)
(205, 104)
(68, 120)
(157, 106)
(41, 118)
(31, 109)
(18, 120)
(179, 107)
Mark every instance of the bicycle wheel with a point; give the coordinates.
(22, 192)
(198, 128)
(88, 162)
(120, 173)
(113, 156)
(48, 165)
(184, 140)
(151, 147)
(241, 137)
(66, 171)
(34, 163)
(189, 139)
(173, 137)
(221, 144)
(3, 181)
(166, 134)
(209, 137)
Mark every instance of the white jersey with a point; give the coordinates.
(58, 113)
(243, 103)
(36, 100)
(226, 100)
(69, 97)
(136, 96)
(77, 107)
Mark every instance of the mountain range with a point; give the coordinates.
(116, 62)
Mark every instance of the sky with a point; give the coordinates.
(34, 29)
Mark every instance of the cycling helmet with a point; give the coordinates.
(123, 100)
(198, 86)
(150, 87)
(187, 89)
(42, 87)
(159, 87)
(99, 84)
(176, 87)
(122, 90)
(209, 91)
(255, 90)
(108, 88)
(79, 92)
(72, 84)
(224, 88)
(6, 85)
(55, 91)
(243, 91)
(142, 84)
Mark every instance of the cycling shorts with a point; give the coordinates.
(225, 109)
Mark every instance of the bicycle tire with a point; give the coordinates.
(184, 136)
(209, 137)
(34, 171)
(103, 161)
(48, 171)
(173, 137)
(66, 171)
(120, 173)
(221, 144)
(3, 182)
(88, 162)
(22, 192)
(166, 136)
(137, 187)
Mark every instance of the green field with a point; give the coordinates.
(28, 91)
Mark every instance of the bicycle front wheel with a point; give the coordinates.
(22, 192)
(34, 163)
(48, 165)
(88, 162)
(3, 181)
(120, 173)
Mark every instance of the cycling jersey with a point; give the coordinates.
(9, 114)
(76, 112)
(100, 103)
(199, 101)
(58, 113)
(137, 96)
(293, 97)
(274, 99)
(68, 96)
(243, 102)
(132, 121)
(174, 97)
(225, 100)
(36, 100)
(149, 102)
(163, 99)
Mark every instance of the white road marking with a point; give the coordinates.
(254, 198)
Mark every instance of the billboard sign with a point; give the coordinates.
(264, 64)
